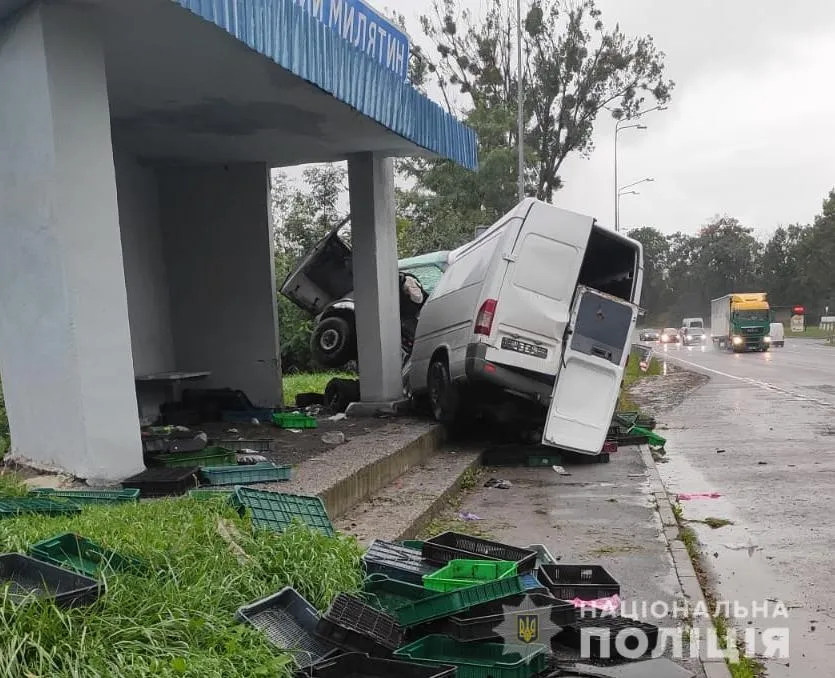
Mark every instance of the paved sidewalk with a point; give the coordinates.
(601, 513)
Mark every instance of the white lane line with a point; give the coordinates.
(754, 382)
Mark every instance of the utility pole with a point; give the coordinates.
(521, 102)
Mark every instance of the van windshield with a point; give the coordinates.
(696, 323)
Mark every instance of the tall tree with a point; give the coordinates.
(654, 297)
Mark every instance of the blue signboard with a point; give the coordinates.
(364, 28)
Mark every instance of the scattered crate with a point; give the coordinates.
(454, 546)
(446, 604)
(587, 582)
(82, 555)
(356, 665)
(260, 445)
(532, 584)
(459, 574)
(352, 625)
(209, 456)
(15, 506)
(603, 631)
(294, 420)
(478, 660)
(543, 555)
(265, 472)
(163, 482)
(390, 594)
(289, 622)
(26, 578)
(207, 493)
(84, 497)
(277, 511)
(530, 618)
(397, 562)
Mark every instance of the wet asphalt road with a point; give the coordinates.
(761, 433)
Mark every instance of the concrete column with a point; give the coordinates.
(65, 352)
(218, 236)
(374, 244)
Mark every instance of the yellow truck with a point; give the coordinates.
(741, 322)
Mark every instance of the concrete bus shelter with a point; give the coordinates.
(136, 243)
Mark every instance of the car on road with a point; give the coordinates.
(778, 334)
(693, 336)
(323, 283)
(670, 335)
(649, 335)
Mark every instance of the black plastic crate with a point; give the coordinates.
(355, 626)
(397, 562)
(586, 582)
(603, 631)
(521, 455)
(289, 622)
(259, 445)
(356, 665)
(454, 546)
(164, 482)
(530, 618)
(26, 577)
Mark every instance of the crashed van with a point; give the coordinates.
(538, 311)
(323, 285)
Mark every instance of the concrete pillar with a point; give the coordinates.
(65, 352)
(374, 244)
(218, 236)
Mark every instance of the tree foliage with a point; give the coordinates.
(574, 68)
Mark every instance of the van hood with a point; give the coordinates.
(324, 276)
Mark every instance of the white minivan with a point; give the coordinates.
(541, 306)
(778, 334)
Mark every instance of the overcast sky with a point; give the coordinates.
(750, 131)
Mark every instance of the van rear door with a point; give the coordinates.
(533, 303)
(590, 375)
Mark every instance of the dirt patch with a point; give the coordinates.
(658, 394)
(296, 447)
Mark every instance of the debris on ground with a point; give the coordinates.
(559, 470)
(689, 496)
(333, 438)
(498, 484)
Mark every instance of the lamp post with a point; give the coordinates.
(623, 191)
(520, 112)
(620, 125)
(618, 129)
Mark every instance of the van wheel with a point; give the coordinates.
(333, 342)
(443, 394)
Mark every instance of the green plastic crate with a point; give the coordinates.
(478, 660)
(265, 472)
(294, 420)
(459, 574)
(204, 493)
(652, 438)
(209, 456)
(82, 555)
(276, 511)
(389, 594)
(14, 506)
(85, 497)
(445, 604)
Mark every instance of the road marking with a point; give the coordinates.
(754, 382)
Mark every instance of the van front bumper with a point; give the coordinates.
(479, 369)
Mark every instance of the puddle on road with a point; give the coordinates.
(742, 573)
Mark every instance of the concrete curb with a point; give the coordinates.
(686, 573)
(436, 507)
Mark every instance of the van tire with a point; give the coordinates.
(333, 342)
(339, 393)
(442, 393)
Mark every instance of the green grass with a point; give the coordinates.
(5, 441)
(309, 383)
(178, 618)
(633, 374)
(810, 333)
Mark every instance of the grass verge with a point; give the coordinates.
(631, 376)
(746, 667)
(177, 618)
(813, 332)
(309, 383)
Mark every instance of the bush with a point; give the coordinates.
(5, 438)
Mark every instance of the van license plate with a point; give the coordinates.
(522, 347)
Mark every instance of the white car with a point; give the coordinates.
(542, 307)
(777, 334)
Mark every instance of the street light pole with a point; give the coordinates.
(618, 130)
(521, 102)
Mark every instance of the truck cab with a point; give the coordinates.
(742, 322)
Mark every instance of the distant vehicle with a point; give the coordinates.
(649, 335)
(693, 336)
(532, 322)
(741, 322)
(777, 334)
(693, 323)
(670, 336)
(323, 285)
